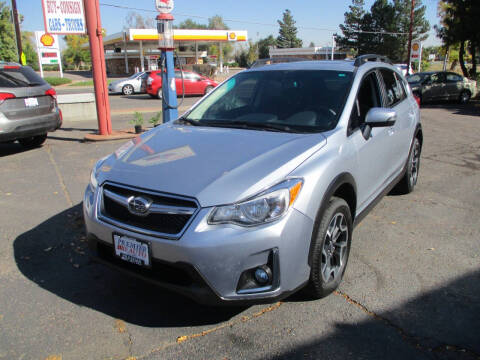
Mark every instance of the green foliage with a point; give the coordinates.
(29, 49)
(264, 46)
(190, 24)
(75, 55)
(216, 23)
(154, 120)
(363, 30)
(241, 58)
(8, 49)
(287, 34)
(135, 20)
(87, 83)
(137, 119)
(55, 81)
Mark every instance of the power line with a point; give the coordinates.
(249, 22)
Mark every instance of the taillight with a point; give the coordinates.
(417, 99)
(52, 93)
(5, 96)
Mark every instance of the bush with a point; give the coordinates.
(55, 81)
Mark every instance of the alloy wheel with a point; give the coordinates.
(334, 250)
(414, 163)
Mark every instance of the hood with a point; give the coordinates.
(214, 165)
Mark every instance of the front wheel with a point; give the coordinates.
(208, 89)
(464, 97)
(127, 90)
(33, 141)
(409, 180)
(331, 247)
(159, 94)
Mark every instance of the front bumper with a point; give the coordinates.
(22, 128)
(206, 263)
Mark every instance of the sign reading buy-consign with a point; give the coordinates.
(64, 16)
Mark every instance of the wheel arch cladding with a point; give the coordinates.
(343, 186)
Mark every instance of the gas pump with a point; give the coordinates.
(165, 44)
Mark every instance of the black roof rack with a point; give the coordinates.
(277, 60)
(360, 60)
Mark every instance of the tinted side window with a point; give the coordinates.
(402, 85)
(438, 78)
(393, 89)
(368, 96)
(453, 77)
(20, 77)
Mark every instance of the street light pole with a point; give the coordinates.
(18, 34)
(410, 36)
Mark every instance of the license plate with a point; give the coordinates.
(132, 250)
(31, 102)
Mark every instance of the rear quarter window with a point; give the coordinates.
(20, 77)
(393, 90)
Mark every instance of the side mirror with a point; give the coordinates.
(380, 117)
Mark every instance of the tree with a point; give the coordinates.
(384, 29)
(190, 24)
(135, 20)
(8, 48)
(287, 37)
(312, 44)
(29, 49)
(76, 53)
(351, 27)
(264, 45)
(216, 23)
(459, 24)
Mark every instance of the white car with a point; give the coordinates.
(403, 68)
(133, 84)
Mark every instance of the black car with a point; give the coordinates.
(442, 85)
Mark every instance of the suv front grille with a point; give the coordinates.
(168, 215)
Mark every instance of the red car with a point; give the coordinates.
(195, 84)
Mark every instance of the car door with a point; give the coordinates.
(370, 152)
(399, 135)
(434, 88)
(454, 86)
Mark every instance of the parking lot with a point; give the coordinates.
(411, 289)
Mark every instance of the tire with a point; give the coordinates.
(159, 93)
(208, 89)
(329, 255)
(407, 184)
(464, 97)
(153, 96)
(34, 141)
(128, 90)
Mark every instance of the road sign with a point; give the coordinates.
(48, 49)
(164, 6)
(416, 50)
(64, 16)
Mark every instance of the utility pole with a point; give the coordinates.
(94, 28)
(410, 36)
(18, 34)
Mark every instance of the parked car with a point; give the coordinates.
(134, 84)
(404, 69)
(442, 85)
(195, 84)
(253, 194)
(28, 106)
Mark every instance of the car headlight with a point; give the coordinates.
(266, 207)
(94, 173)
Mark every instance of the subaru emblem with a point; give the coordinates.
(138, 205)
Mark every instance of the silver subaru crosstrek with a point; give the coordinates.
(253, 193)
(28, 106)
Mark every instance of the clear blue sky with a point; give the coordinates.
(325, 14)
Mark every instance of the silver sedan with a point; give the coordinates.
(133, 84)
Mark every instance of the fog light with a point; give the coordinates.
(262, 275)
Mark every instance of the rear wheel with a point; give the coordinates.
(331, 247)
(128, 90)
(464, 97)
(409, 180)
(33, 141)
(159, 93)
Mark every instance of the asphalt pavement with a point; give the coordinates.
(411, 289)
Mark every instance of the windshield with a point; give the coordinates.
(135, 75)
(304, 101)
(19, 77)
(415, 78)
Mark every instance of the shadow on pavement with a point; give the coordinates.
(471, 109)
(55, 256)
(439, 324)
(7, 149)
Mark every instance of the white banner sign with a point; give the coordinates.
(48, 49)
(64, 16)
(416, 50)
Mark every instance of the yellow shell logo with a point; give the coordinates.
(232, 36)
(415, 47)
(47, 40)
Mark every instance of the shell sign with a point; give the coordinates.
(47, 40)
(232, 36)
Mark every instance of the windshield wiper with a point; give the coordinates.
(250, 125)
(187, 121)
